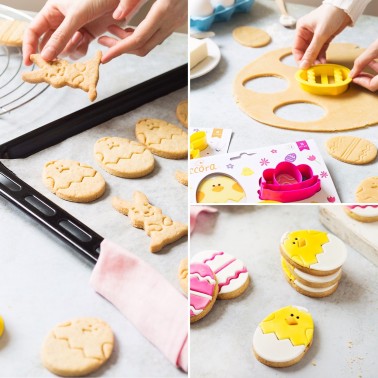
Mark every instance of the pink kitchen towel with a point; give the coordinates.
(146, 299)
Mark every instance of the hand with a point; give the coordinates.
(314, 33)
(366, 59)
(161, 21)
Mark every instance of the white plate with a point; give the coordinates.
(9, 13)
(209, 63)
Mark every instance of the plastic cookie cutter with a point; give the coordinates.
(324, 79)
(198, 142)
(288, 183)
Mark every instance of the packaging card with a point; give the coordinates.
(237, 174)
(218, 141)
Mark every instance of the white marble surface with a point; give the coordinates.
(212, 101)
(345, 339)
(44, 282)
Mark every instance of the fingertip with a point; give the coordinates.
(304, 64)
(118, 14)
(48, 53)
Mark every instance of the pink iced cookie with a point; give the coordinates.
(363, 213)
(203, 290)
(231, 273)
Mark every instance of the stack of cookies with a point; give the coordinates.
(214, 275)
(312, 260)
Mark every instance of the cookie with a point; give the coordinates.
(314, 292)
(315, 252)
(123, 157)
(309, 279)
(182, 113)
(12, 32)
(59, 73)
(363, 213)
(203, 290)
(162, 138)
(182, 177)
(2, 327)
(183, 275)
(77, 347)
(367, 191)
(232, 275)
(251, 37)
(73, 181)
(352, 150)
(283, 337)
(162, 229)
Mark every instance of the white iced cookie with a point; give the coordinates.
(363, 213)
(283, 337)
(232, 274)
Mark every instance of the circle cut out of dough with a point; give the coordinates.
(251, 37)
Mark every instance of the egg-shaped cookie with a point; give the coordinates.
(73, 181)
(363, 213)
(283, 337)
(315, 252)
(203, 290)
(182, 113)
(123, 157)
(367, 191)
(183, 275)
(232, 274)
(162, 138)
(77, 347)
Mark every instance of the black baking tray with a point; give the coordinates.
(95, 114)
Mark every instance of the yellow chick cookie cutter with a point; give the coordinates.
(198, 143)
(324, 79)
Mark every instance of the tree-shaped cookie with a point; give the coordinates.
(60, 73)
(162, 229)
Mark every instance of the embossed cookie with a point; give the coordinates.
(123, 157)
(60, 73)
(73, 181)
(203, 290)
(182, 113)
(77, 347)
(251, 37)
(232, 275)
(182, 177)
(367, 191)
(162, 138)
(183, 275)
(283, 337)
(351, 149)
(161, 228)
(11, 32)
(363, 213)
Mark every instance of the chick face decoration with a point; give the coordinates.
(316, 252)
(284, 336)
(219, 189)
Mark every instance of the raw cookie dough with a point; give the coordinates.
(367, 191)
(162, 138)
(123, 157)
(73, 181)
(251, 37)
(353, 109)
(352, 150)
(182, 113)
(363, 213)
(78, 347)
(183, 275)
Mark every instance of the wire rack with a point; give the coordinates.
(14, 92)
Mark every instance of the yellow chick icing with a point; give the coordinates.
(293, 323)
(1, 326)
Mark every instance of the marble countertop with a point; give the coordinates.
(44, 282)
(213, 105)
(345, 337)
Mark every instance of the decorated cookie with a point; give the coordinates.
(162, 138)
(352, 150)
(1, 326)
(73, 181)
(315, 292)
(251, 37)
(183, 275)
(219, 189)
(363, 213)
(123, 157)
(367, 191)
(182, 177)
(309, 279)
(283, 337)
(314, 252)
(182, 113)
(77, 347)
(203, 290)
(232, 275)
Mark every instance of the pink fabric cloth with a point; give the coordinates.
(146, 299)
(195, 211)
